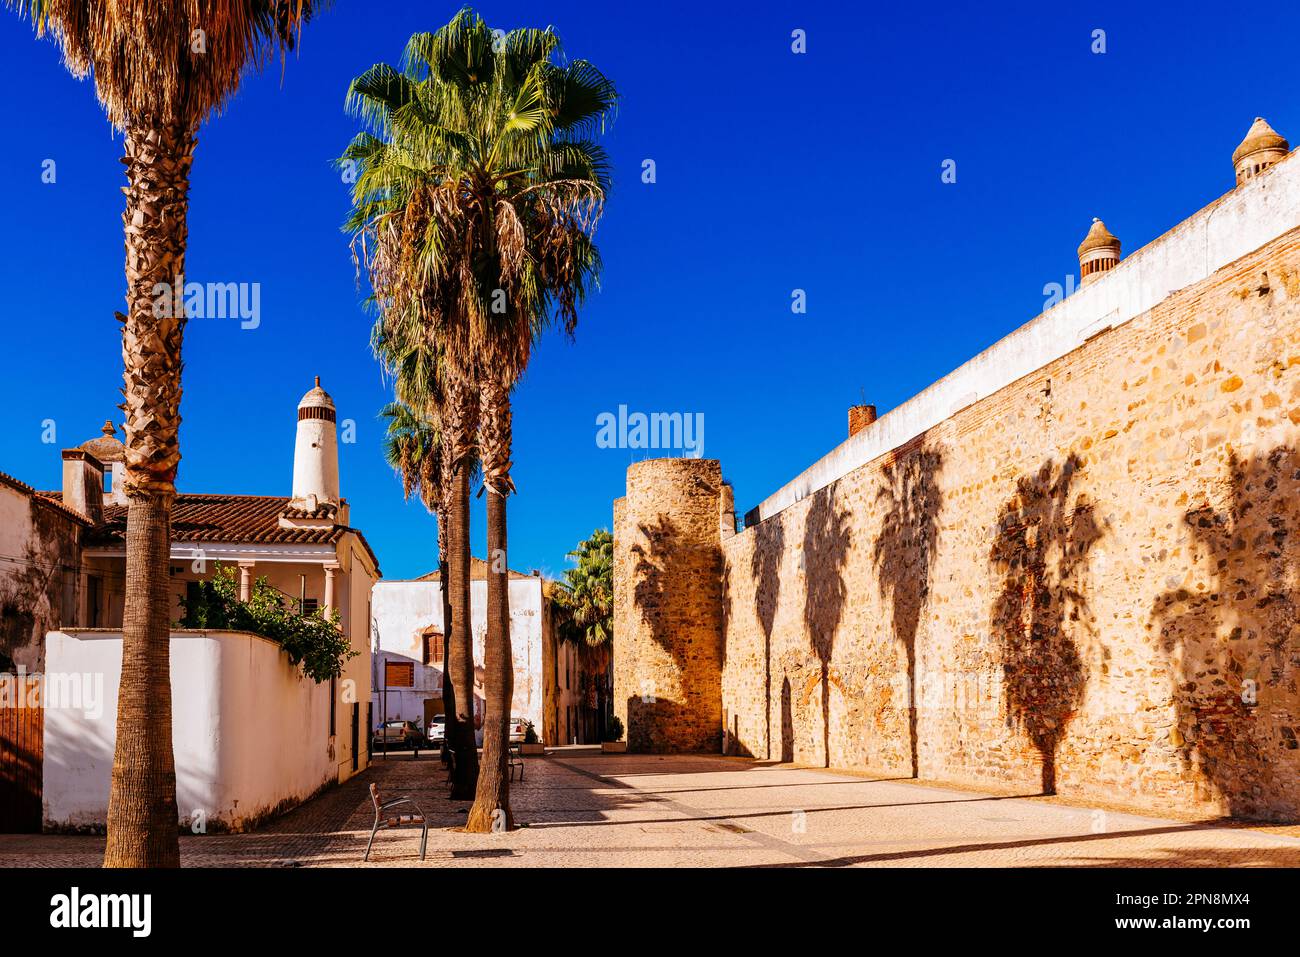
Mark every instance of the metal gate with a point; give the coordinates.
(22, 728)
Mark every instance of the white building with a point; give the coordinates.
(409, 629)
(251, 734)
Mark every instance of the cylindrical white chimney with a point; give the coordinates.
(316, 451)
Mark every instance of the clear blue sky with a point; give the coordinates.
(776, 171)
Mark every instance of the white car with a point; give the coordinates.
(436, 732)
(518, 728)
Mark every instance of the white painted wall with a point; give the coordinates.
(249, 732)
(402, 610)
(1238, 223)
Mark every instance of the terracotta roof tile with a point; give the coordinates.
(52, 500)
(239, 519)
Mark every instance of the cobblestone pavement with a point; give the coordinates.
(582, 808)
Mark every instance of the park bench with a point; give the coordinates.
(515, 757)
(388, 820)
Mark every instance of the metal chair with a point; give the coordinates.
(396, 820)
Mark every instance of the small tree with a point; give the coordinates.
(313, 641)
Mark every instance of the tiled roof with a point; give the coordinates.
(51, 500)
(235, 519)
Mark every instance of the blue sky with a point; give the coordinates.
(775, 172)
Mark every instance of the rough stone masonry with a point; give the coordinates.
(1085, 582)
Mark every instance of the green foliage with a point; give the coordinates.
(312, 641)
(586, 596)
(614, 729)
(530, 733)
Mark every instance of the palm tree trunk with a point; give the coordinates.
(491, 810)
(142, 813)
(460, 643)
(445, 505)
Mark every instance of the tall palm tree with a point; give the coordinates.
(159, 70)
(414, 336)
(484, 144)
(413, 446)
(523, 184)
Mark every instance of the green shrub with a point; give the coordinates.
(314, 642)
(614, 729)
(530, 733)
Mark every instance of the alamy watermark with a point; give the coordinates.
(654, 430)
(210, 300)
(66, 691)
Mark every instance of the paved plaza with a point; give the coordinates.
(579, 807)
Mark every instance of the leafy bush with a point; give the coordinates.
(530, 733)
(314, 642)
(614, 729)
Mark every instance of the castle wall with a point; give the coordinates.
(1089, 579)
(1085, 582)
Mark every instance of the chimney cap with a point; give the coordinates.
(107, 448)
(1099, 237)
(1259, 137)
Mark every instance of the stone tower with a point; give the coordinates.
(316, 452)
(668, 604)
(1098, 253)
(1261, 148)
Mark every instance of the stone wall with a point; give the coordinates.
(1085, 583)
(668, 606)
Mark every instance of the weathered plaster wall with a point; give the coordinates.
(1089, 578)
(402, 610)
(39, 560)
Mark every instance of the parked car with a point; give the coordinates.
(398, 734)
(518, 728)
(436, 732)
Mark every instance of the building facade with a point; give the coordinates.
(409, 629)
(1068, 566)
(247, 694)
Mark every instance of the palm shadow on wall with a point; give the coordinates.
(765, 568)
(1233, 647)
(826, 541)
(1041, 544)
(904, 552)
(648, 709)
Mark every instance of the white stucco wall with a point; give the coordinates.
(1238, 223)
(249, 732)
(402, 610)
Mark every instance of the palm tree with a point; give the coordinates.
(478, 191)
(413, 448)
(584, 601)
(508, 129)
(587, 592)
(159, 70)
(412, 336)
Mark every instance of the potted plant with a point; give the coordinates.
(614, 736)
(531, 745)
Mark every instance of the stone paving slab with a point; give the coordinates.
(583, 808)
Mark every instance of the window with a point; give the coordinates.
(108, 480)
(94, 598)
(310, 606)
(434, 648)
